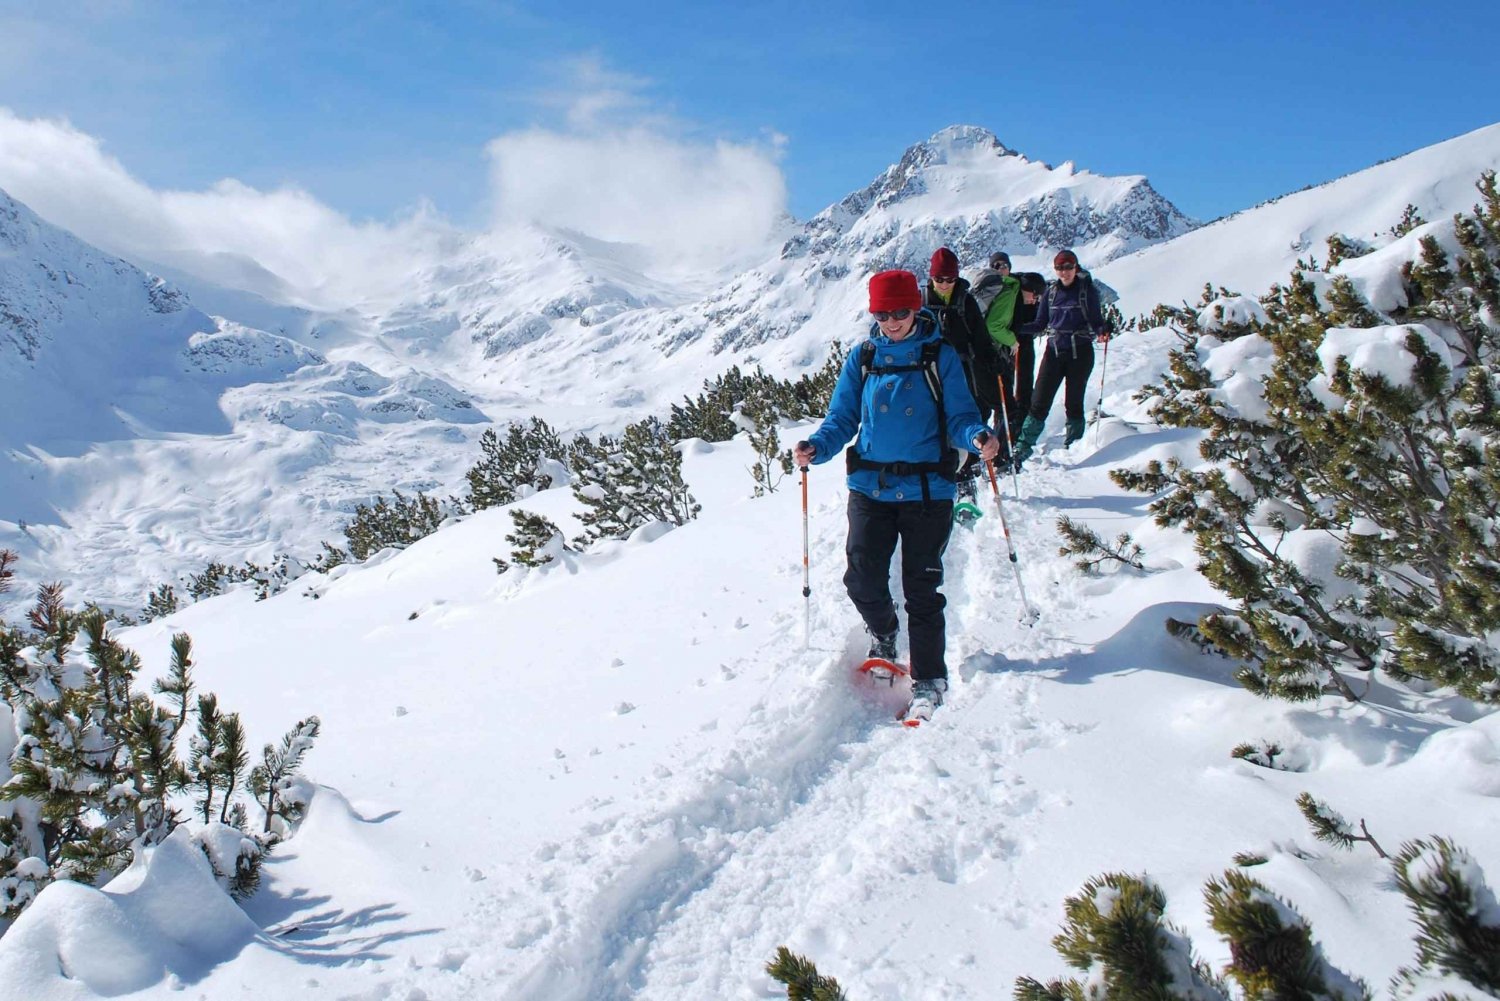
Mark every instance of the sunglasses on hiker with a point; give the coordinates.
(1066, 267)
(895, 314)
(944, 281)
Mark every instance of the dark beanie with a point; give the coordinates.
(1065, 257)
(944, 264)
(893, 290)
(998, 258)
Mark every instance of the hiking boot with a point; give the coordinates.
(1031, 431)
(966, 490)
(926, 696)
(1076, 428)
(882, 647)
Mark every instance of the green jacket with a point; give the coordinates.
(997, 295)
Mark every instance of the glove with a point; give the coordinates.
(803, 453)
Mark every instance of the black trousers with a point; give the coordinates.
(1072, 366)
(1025, 376)
(922, 529)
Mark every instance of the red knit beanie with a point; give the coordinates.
(892, 290)
(1065, 257)
(944, 264)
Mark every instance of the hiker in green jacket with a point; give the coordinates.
(997, 291)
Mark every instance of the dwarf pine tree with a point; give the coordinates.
(631, 482)
(1328, 825)
(802, 979)
(536, 541)
(1115, 931)
(276, 784)
(95, 770)
(772, 462)
(393, 524)
(1394, 461)
(515, 465)
(160, 603)
(1457, 916)
(1272, 953)
(1091, 551)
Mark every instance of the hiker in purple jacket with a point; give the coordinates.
(1072, 317)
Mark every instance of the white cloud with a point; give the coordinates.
(622, 171)
(696, 207)
(65, 176)
(613, 170)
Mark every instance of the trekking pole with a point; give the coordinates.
(1010, 442)
(806, 590)
(1099, 405)
(1029, 615)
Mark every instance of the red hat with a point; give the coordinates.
(944, 264)
(1065, 257)
(892, 290)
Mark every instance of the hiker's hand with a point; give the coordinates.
(989, 446)
(1103, 337)
(803, 454)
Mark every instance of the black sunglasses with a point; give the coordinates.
(944, 281)
(895, 314)
(1066, 267)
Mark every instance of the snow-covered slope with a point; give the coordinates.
(1248, 251)
(625, 778)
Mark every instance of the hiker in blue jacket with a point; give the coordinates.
(1073, 319)
(901, 472)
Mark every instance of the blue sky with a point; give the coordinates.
(371, 107)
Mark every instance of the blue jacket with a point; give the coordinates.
(896, 417)
(1066, 312)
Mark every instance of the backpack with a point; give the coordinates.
(947, 465)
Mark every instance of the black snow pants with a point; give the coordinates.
(922, 529)
(1073, 365)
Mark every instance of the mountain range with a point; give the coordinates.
(175, 415)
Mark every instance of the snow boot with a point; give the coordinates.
(882, 647)
(1076, 426)
(1026, 441)
(966, 486)
(926, 696)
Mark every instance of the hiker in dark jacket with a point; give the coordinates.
(1073, 319)
(961, 322)
(900, 471)
(1027, 303)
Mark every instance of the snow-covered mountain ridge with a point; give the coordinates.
(300, 412)
(336, 404)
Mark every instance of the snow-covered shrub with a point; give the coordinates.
(631, 482)
(772, 462)
(1115, 935)
(802, 979)
(1378, 431)
(527, 459)
(1457, 917)
(161, 602)
(95, 767)
(720, 411)
(393, 524)
(1273, 954)
(1091, 552)
(536, 541)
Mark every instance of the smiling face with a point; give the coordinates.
(898, 329)
(1067, 272)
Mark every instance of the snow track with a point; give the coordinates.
(817, 800)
